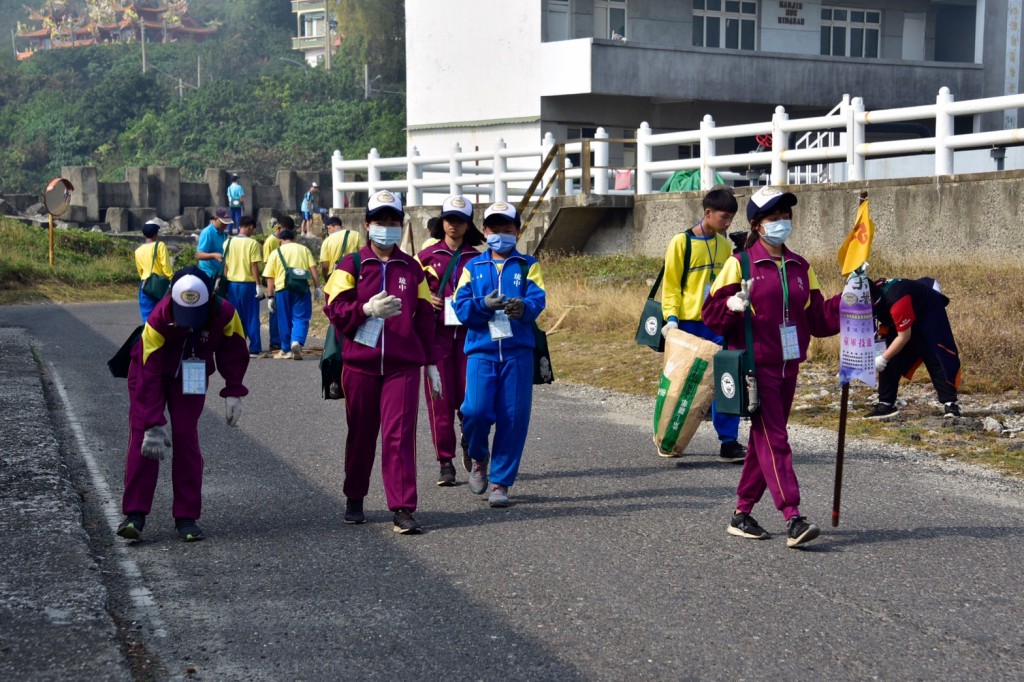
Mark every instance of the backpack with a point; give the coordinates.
(330, 360)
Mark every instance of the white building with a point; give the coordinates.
(311, 26)
(478, 70)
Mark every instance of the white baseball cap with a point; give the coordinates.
(767, 198)
(502, 210)
(457, 206)
(383, 201)
(314, 185)
(190, 296)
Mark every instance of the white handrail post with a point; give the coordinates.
(707, 152)
(856, 138)
(600, 168)
(943, 131)
(780, 141)
(643, 158)
(337, 177)
(545, 145)
(454, 169)
(372, 171)
(413, 193)
(500, 169)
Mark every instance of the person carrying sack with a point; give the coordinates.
(154, 266)
(288, 274)
(692, 262)
(786, 308)
(455, 239)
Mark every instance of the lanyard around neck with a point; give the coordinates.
(785, 291)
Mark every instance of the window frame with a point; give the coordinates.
(603, 9)
(723, 15)
(849, 27)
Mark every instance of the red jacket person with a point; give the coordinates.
(185, 335)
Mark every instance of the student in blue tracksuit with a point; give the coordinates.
(500, 295)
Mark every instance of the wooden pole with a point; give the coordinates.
(51, 240)
(844, 403)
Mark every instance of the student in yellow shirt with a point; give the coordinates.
(242, 256)
(291, 303)
(270, 245)
(338, 244)
(151, 259)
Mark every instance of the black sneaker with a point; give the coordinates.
(951, 410)
(732, 451)
(467, 461)
(799, 531)
(354, 511)
(882, 411)
(446, 478)
(406, 524)
(188, 530)
(131, 527)
(744, 526)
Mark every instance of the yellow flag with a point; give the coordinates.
(857, 247)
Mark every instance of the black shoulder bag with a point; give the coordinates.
(542, 371)
(330, 360)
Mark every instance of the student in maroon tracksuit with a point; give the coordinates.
(444, 260)
(787, 309)
(184, 336)
(386, 322)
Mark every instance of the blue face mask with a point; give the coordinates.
(501, 243)
(777, 232)
(384, 237)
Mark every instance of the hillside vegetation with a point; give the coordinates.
(257, 108)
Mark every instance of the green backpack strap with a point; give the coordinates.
(686, 270)
(344, 245)
(451, 269)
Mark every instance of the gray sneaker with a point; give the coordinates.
(478, 478)
(498, 496)
(296, 350)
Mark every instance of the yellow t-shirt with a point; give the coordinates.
(144, 260)
(270, 245)
(241, 253)
(295, 255)
(331, 250)
(707, 258)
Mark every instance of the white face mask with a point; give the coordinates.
(777, 232)
(384, 236)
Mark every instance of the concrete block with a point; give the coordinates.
(119, 219)
(217, 181)
(196, 215)
(78, 214)
(138, 184)
(263, 217)
(86, 194)
(288, 182)
(139, 216)
(165, 181)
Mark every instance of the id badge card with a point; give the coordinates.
(879, 347)
(707, 292)
(193, 377)
(450, 318)
(790, 342)
(368, 333)
(500, 326)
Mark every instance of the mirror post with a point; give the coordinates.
(51, 241)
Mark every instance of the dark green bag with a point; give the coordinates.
(295, 279)
(330, 360)
(735, 382)
(155, 286)
(542, 371)
(648, 332)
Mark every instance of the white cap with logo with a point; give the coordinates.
(499, 210)
(189, 298)
(382, 201)
(457, 206)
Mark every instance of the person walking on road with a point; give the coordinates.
(787, 308)
(692, 262)
(210, 247)
(499, 297)
(288, 274)
(456, 239)
(308, 207)
(912, 319)
(379, 303)
(338, 244)
(236, 202)
(242, 256)
(151, 258)
(188, 336)
(271, 244)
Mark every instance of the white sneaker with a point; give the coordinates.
(296, 350)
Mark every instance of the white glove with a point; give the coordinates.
(156, 444)
(233, 411)
(318, 294)
(260, 293)
(739, 301)
(271, 304)
(383, 305)
(669, 326)
(494, 300)
(434, 377)
(881, 363)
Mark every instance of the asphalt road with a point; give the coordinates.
(612, 564)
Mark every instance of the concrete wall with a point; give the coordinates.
(943, 218)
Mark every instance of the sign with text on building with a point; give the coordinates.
(791, 13)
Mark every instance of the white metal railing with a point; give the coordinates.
(837, 137)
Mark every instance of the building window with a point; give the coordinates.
(850, 33)
(557, 27)
(313, 26)
(688, 151)
(610, 19)
(728, 24)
